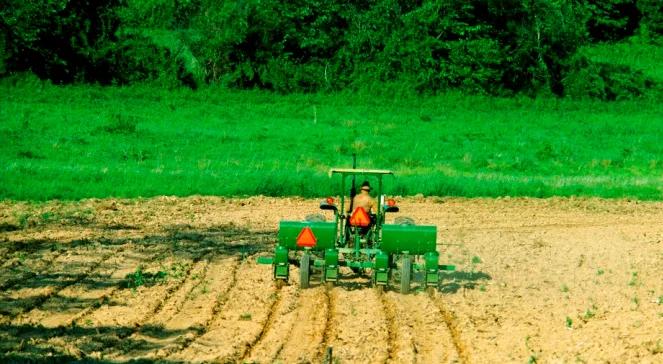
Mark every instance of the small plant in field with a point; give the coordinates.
(88, 322)
(636, 301)
(136, 279)
(178, 270)
(24, 220)
(532, 358)
(634, 279)
(476, 260)
(564, 288)
(482, 288)
(569, 322)
(589, 313)
(659, 300)
(205, 288)
(600, 272)
(245, 316)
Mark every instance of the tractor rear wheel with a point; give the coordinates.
(304, 270)
(406, 265)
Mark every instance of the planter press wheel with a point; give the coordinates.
(406, 268)
(304, 270)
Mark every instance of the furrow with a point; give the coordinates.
(72, 302)
(198, 311)
(451, 323)
(19, 269)
(27, 299)
(144, 304)
(239, 322)
(357, 317)
(327, 331)
(302, 337)
(421, 334)
(275, 306)
(148, 330)
(390, 317)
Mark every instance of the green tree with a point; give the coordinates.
(652, 16)
(64, 40)
(612, 20)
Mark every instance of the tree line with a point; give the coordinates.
(499, 47)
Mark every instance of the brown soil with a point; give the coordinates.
(175, 280)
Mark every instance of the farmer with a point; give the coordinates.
(363, 199)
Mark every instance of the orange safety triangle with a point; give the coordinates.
(306, 238)
(360, 218)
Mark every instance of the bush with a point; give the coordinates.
(605, 81)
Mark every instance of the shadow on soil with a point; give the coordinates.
(453, 281)
(29, 282)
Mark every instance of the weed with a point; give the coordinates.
(634, 279)
(564, 288)
(531, 359)
(569, 322)
(178, 270)
(136, 279)
(476, 260)
(600, 272)
(589, 313)
(659, 300)
(24, 220)
(636, 301)
(88, 322)
(245, 316)
(482, 287)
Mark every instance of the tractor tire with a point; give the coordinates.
(406, 269)
(404, 220)
(304, 271)
(316, 218)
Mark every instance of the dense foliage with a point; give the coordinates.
(481, 46)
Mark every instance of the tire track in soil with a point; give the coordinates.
(359, 326)
(239, 322)
(36, 297)
(450, 320)
(421, 333)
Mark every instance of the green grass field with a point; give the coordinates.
(85, 141)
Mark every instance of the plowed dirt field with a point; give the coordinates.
(175, 280)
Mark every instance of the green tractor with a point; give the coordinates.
(387, 253)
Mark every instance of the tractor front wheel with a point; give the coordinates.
(304, 270)
(406, 268)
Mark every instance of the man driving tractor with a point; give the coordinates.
(363, 199)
